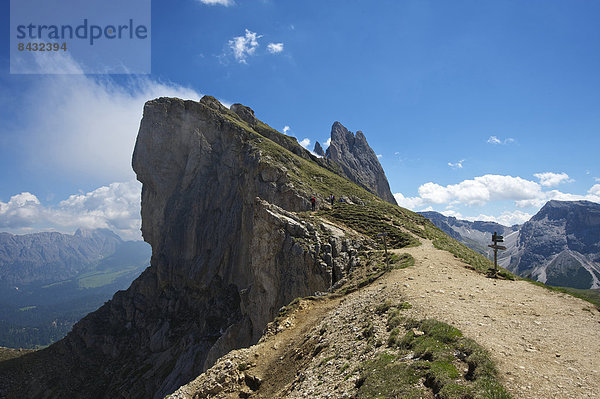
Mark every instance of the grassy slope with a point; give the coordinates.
(371, 217)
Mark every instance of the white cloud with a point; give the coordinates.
(115, 207)
(379, 156)
(286, 129)
(86, 126)
(496, 140)
(305, 143)
(593, 195)
(244, 46)
(225, 3)
(327, 143)
(595, 190)
(507, 218)
(480, 190)
(456, 165)
(550, 179)
(275, 48)
(452, 213)
(412, 203)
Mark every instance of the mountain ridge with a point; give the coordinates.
(51, 280)
(358, 161)
(51, 256)
(559, 245)
(226, 210)
(224, 198)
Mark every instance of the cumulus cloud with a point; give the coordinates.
(379, 156)
(244, 46)
(486, 189)
(286, 129)
(409, 202)
(452, 213)
(327, 143)
(275, 48)
(80, 125)
(457, 165)
(480, 190)
(506, 218)
(593, 195)
(225, 3)
(305, 143)
(115, 207)
(496, 140)
(550, 179)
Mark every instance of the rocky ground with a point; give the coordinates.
(545, 343)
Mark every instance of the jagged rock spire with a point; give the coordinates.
(319, 150)
(358, 161)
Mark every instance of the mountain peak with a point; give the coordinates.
(358, 161)
(318, 149)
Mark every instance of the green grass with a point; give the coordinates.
(103, 277)
(369, 215)
(439, 354)
(7, 354)
(389, 377)
(371, 221)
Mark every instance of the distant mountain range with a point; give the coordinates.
(48, 281)
(558, 246)
(476, 235)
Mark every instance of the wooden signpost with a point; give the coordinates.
(387, 259)
(496, 239)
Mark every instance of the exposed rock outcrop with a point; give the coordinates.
(219, 210)
(560, 245)
(358, 161)
(318, 149)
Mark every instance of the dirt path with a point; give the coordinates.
(547, 344)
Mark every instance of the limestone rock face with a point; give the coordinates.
(318, 149)
(560, 245)
(228, 250)
(358, 161)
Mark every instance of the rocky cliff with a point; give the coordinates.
(317, 149)
(560, 245)
(358, 161)
(223, 204)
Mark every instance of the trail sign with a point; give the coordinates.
(496, 239)
(387, 259)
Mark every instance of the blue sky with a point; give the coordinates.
(483, 110)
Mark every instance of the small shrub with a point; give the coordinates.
(383, 307)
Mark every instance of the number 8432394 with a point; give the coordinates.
(42, 46)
